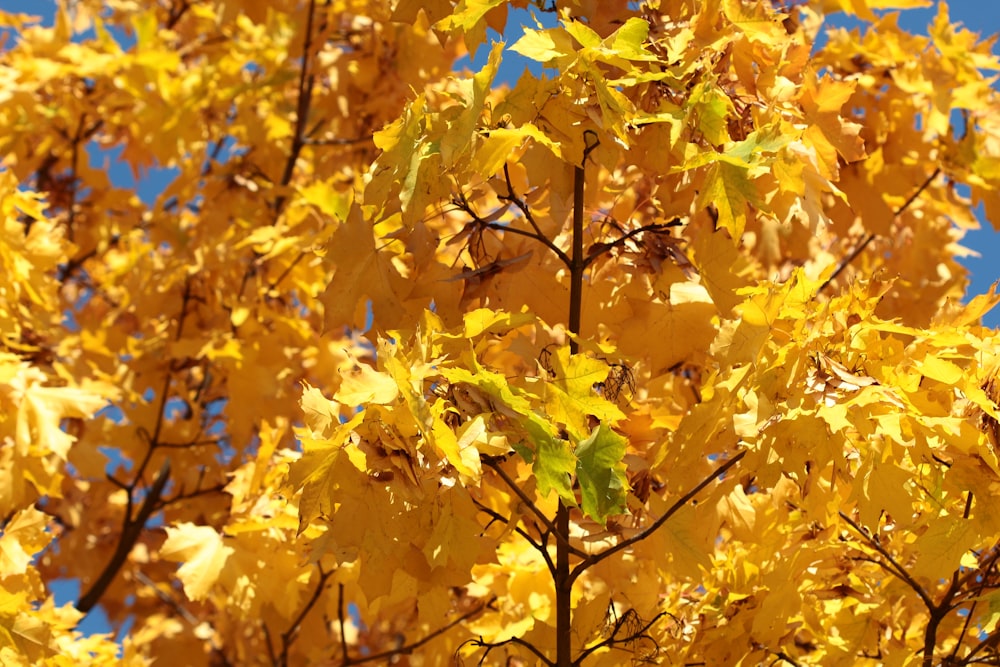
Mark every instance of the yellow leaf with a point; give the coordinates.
(22, 537)
(941, 370)
(203, 554)
(364, 384)
(321, 414)
(729, 189)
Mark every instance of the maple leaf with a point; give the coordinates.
(601, 473)
(203, 554)
(362, 272)
(571, 399)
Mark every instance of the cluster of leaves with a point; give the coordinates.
(654, 355)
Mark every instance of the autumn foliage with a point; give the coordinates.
(658, 352)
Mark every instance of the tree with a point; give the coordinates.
(657, 355)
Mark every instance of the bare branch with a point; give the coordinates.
(844, 263)
(166, 598)
(489, 646)
(526, 212)
(613, 639)
(529, 503)
(306, 82)
(131, 530)
(538, 546)
(600, 249)
(288, 636)
(594, 559)
(341, 618)
(893, 567)
(409, 648)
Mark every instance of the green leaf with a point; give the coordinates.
(711, 109)
(553, 462)
(554, 465)
(601, 474)
(768, 139)
(493, 384)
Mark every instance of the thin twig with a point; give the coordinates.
(896, 569)
(600, 249)
(613, 639)
(534, 508)
(288, 636)
(844, 263)
(526, 212)
(786, 658)
(288, 269)
(409, 648)
(166, 598)
(871, 237)
(341, 619)
(306, 82)
(594, 559)
(538, 546)
(489, 646)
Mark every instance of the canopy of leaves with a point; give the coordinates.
(664, 337)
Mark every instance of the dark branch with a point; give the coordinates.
(131, 530)
(166, 598)
(526, 212)
(288, 636)
(538, 546)
(600, 249)
(489, 646)
(613, 639)
(594, 559)
(409, 648)
(306, 82)
(871, 237)
(534, 509)
(893, 567)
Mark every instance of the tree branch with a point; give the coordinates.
(489, 646)
(526, 212)
(594, 559)
(600, 249)
(166, 598)
(896, 569)
(288, 636)
(871, 237)
(131, 530)
(132, 527)
(306, 82)
(539, 547)
(409, 648)
(613, 639)
(549, 526)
